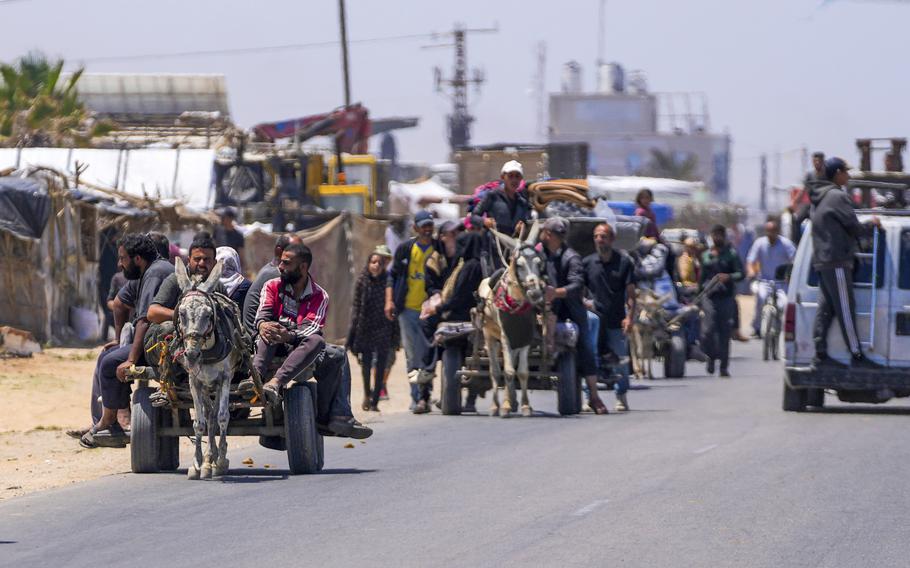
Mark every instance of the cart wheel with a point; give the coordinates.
(300, 430)
(144, 442)
(451, 384)
(169, 446)
(567, 384)
(675, 358)
(320, 451)
(794, 399)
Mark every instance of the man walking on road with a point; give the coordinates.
(766, 255)
(406, 292)
(566, 285)
(835, 233)
(721, 261)
(610, 276)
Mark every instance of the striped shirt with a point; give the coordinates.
(304, 316)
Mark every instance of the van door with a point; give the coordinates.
(900, 302)
(869, 301)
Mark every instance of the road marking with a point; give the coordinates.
(589, 508)
(705, 450)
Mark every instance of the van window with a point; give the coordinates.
(862, 268)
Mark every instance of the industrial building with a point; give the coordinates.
(631, 131)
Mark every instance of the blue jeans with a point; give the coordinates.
(615, 339)
(415, 349)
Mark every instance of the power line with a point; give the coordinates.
(247, 50)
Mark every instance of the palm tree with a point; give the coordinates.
(38, 109)
(665, 165)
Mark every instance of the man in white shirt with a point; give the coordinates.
(765, 256)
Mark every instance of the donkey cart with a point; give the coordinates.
(466, 364)
(161, 415)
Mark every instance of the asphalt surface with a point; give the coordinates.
(702, 472)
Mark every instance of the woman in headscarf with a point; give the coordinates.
(235, 284)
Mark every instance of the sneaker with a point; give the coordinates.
(383, 395)
(622, 404)
(422, 407)
(709, 367)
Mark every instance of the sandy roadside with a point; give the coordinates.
(43, 396)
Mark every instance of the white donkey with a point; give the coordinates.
(509, 318)
(211, 354)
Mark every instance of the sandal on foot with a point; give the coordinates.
(349, 428)
(77, 434)
(111, 437)
(598, 406)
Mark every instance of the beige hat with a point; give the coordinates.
(382, 250)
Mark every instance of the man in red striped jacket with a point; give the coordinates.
(292, 312)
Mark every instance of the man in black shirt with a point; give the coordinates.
(226, 234)
(719, 306)
(610, 277)
(506, 209)
(564, 291)
(139, 260)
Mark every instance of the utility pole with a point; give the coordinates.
(344, 53)
(763, 189)
(601, 32)
(541, 88)
(459, 122)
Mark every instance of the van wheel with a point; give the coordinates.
(794, 399)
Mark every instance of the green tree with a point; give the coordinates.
(38, 108)
(665, 165)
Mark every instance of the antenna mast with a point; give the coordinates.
(459, 122)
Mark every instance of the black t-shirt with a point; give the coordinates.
(148, 286)
(169, 292)
(608, 281)
(228, 238)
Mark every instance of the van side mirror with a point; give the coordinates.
(783, 272)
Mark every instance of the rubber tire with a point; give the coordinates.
(452, 361)
(320, 451)
(300, 430)
(815, 397)
(169, 446)
(579, 395)
(567, 385)
(765, 348)
(675, 358)
(144, 441)
(794, 399)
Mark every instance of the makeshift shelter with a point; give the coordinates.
(51, 239)
(409, 198)
(625, 188)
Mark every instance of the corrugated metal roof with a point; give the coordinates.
(153, 94)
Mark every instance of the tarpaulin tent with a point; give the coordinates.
(24, 207)
(409, 198)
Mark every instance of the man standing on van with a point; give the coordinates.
(835, 230)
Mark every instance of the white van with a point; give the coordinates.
(882, 321)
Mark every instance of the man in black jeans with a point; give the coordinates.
(721, 261)
(835, 233)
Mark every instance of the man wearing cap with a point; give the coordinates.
(406, 292)
(506, 209)
(835, 233)
(566, 277)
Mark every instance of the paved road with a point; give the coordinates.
(703, 472)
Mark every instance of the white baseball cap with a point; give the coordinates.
(513, 166)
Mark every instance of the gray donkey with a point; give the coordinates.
(210, 354)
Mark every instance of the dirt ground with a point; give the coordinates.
(47, 394)
(43, 396)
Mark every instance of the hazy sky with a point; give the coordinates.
(778, 73)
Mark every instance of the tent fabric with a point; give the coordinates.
(409, 198)
(24, 207)
(340, 249)
(185, 175)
